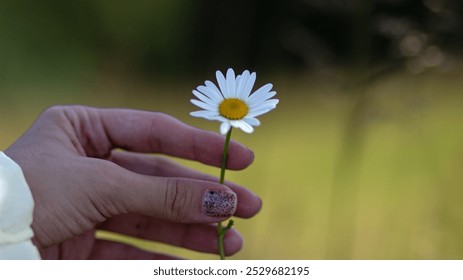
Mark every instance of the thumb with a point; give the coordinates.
(175, 199)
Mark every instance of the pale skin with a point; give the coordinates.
(91, 169)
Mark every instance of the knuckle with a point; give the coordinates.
(63, 110)
(58, 113)
(55, 109)
(53, 112)
(177, 200)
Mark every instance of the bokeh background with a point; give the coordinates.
(363, 157)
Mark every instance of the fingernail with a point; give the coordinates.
(219, 203)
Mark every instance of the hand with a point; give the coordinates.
(87, 169)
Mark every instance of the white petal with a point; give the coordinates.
(260, 111)
(267, 103)
(225, 127)
(252, 121)
(210, 85)
(270, 102)
(201, 113)
(241, 83)
(204, 98)
(243, 125)
(216, 97)
(204, 114)
(237, 81)
(256, 99)
(231, 83)
(261, 91)
(222, 119)
(222, 83)
(248, 86)
(203, 105)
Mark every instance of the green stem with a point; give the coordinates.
(220, 229)
(225, 156)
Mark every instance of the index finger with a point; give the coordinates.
(153, 132)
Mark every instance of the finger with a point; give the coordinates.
(182, 200)
(198, 237)
(248, 205)
(140, 131)
(108, 250)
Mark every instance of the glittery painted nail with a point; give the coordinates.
(219, 203)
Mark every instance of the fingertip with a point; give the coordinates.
(251, 156)
(249, 206)
(249, 203)
(233, 242)
(239, 156)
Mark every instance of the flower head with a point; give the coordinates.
(232, 102)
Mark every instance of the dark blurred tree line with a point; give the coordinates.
(166, 37)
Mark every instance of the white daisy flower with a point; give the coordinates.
(232, 102)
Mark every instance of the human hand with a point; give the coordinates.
(81, 181)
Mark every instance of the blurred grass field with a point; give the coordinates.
(387, 184)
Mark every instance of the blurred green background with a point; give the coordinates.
(363, 157)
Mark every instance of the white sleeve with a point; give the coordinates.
(16, 207)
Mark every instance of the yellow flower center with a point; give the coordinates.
(233, 109)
